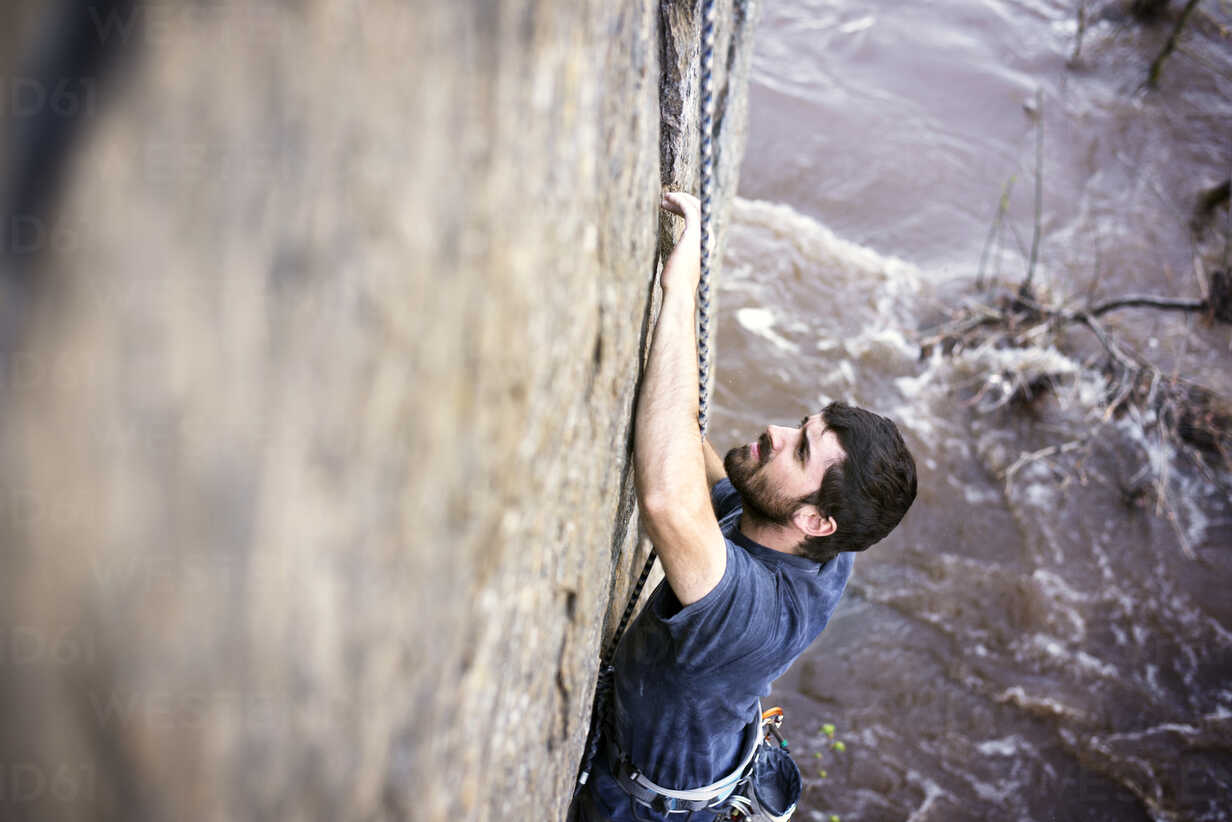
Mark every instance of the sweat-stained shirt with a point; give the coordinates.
(688, 678)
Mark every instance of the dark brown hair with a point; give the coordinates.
(870, 490)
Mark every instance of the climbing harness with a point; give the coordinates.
(764, 787)
(667, 800)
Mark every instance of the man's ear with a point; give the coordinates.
(809, 520)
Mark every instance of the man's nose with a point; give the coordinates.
(777, 436)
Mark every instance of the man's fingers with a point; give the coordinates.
(674, 205)
(680, 203)
(670, 205)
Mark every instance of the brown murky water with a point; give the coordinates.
(1042, 649)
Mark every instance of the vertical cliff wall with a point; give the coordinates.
(322, 326)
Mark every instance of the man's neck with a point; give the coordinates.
(775, 537)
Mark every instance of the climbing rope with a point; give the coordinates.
(706, 93)
(706, 97)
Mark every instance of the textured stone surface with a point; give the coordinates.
(316, 421)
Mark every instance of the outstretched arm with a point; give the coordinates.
(667, 445)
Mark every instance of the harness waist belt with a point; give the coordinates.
(637, 785)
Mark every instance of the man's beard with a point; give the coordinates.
(762, 502)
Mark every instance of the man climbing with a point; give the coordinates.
(756, 550)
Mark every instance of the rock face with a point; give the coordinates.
(320, 350)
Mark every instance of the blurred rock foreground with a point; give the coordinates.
(321, 330)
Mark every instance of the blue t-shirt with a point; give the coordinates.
(688, 678)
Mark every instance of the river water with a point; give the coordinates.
(1040, 642)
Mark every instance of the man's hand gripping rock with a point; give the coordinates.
(683, 269)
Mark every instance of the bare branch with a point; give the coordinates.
(1025, 290)
(1082, 28)
(1145, 301)
(1027, 457)
(993, 230)
(1110, 344)
(1152, 79)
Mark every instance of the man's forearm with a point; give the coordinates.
(667, 442)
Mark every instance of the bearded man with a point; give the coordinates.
(756, 551)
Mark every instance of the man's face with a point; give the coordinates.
(781, 467)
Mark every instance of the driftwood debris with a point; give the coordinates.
(1203, 419)
(1182, 414)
